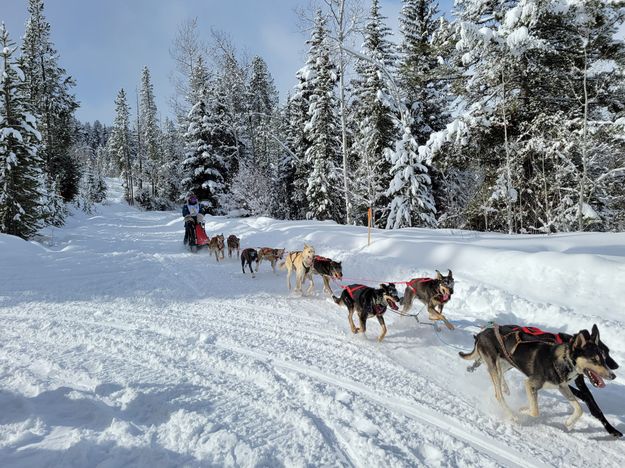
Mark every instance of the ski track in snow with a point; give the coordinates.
(117, 348)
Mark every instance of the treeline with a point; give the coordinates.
(507, 118)
(43, 164)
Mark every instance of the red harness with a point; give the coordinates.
(378, 309)
(538, 332)
(319, 258)
(350, 291)
(444, 297)
(417, 280)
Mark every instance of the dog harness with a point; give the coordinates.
(378, 309)
(538, 332)
(444, 297)
(350, 291)
(530, 331)
(319, 258)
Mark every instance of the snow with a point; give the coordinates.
(117, 347)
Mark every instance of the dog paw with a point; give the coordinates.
(528, 412)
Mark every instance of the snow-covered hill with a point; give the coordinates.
(118, 347)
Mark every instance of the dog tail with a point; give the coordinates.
(471, 356)
(338, 300)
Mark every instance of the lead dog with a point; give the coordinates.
(327, 269)
(273, 255)
(368, 302)
(544, 364)
(433, 292)
(301, 262)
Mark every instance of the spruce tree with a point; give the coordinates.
(323, 192)
(21, 176)
(375, 126)
(202, 168)
(49, 92)
(119, 145)
(150, 132)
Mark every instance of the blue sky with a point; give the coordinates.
(104, 44)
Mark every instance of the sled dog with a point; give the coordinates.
(216, 245)
(233, 244)
(433, 292)
(368, 302)
(327, 269)
(545, 364)
(267, 253)
(248, 256)
(301, 262)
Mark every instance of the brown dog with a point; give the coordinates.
(267, 253)
(233, 244)
(301, 262)
(216, 245)
(433, 292)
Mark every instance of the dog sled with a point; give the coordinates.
(195, 237)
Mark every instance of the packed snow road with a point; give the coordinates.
(117, 347)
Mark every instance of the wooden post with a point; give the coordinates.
(369, 224)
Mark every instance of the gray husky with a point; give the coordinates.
(545, 364)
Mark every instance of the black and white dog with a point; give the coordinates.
(368, 302)
(546, 359)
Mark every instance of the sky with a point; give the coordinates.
(104, 44)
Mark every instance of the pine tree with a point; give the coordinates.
(150, 132)
(263, 101)
(202, 168)
(21, 176)
(324, 185)
(374, 119)
(54, 105)
(173, 155)
(298, 143)
(119, 145)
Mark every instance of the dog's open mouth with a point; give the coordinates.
(594, 378)
(391, 303)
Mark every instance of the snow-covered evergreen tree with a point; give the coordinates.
(203, 166)
(49, 92)
(373, 114)
(150, 133)
(119, 144)
(323, 192)
(21, 175)
(173, 155)
(298, 142)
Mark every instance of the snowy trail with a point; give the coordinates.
(118, 347)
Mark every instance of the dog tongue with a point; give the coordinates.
(597, 380)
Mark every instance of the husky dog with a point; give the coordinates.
(216, 245)
(273, 255)
(433, 292)
(368, 302)
(248, 256)
(233, 244)
(328, 269)
(580, 390)
(301, 262)
(544, 364)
